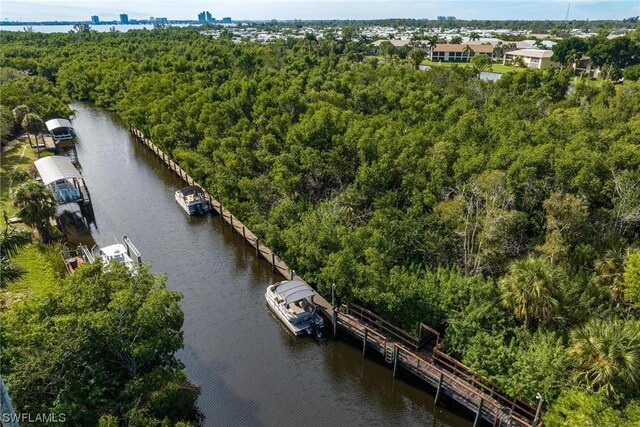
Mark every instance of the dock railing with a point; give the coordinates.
(132, 251)
(426, 334)
(396, 344)
(448, 363)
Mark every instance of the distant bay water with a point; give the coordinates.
(67, 28)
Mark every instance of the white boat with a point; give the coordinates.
(192, 200)
(292, 302)
(121, 252)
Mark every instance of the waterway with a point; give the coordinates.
(252, 372)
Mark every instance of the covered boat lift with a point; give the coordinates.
(65, 182)
(60, 129)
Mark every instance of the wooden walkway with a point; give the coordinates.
(418, 355)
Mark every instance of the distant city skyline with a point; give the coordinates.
(82, 10)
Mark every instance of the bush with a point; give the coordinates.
(632, 73)
(18, 175)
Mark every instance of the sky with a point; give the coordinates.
(79, 10)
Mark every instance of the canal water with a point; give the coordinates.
(252, 372)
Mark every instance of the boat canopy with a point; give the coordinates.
(54, 168)
(191, 189)
(294, 290)
(54, 124)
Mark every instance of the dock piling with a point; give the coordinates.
(396, 354)
(273, 262)
(435, 401)
(364, 342)
(476, 422)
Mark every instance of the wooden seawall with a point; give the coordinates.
(419, 356)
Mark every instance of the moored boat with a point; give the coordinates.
(123, 253)
(192, 200)
(292, 302)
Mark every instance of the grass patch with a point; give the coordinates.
(44, 268)
(495, 68)
(42, 263)
(21, 156)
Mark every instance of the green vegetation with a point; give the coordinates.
(98, 346)
(100, 349)
(505, 214)
(612, 55)
(41, 264)
(36, 206)
(11, 242)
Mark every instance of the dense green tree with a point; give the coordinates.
(576, 408)
(416, 56)
(619, 52)
(632, 278)
(32, 124)
(568, 50)
(417, 193)
(36, 206)
(102, 344)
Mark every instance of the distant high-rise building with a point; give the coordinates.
(205, 17)
(124, 18)
(95, 20)
(446, 18)
(226, 20)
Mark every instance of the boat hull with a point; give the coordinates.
(194, 208)
(295, 326)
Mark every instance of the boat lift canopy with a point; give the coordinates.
(294, 290)
(54, 168)
(54, 124)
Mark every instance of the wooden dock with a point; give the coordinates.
(418, 355)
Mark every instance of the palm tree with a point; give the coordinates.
(498, 51)
(416, 56)
(529, 290)
(510, 46)
(609, 273)
(474, 36)
(519, 62)
(19, 112)
(11, 241)
(32, 123)
(416, 41)
(432, 41)
(310, 38)
(468, 51)
(609, 354)
(36, 205)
